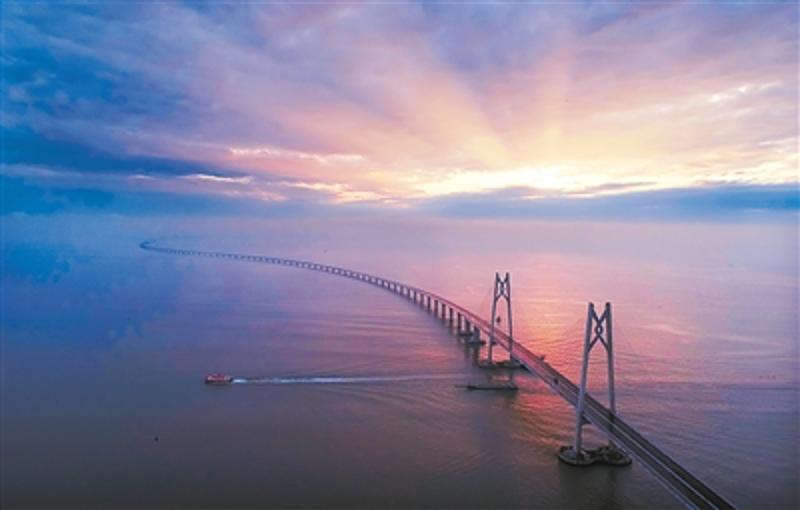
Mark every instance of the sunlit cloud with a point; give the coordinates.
(218, 178)
(256, 194)
(272, 152)
(545, 178)
(341, 193)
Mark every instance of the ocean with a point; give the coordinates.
(349, 396)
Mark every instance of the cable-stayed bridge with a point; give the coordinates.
(624, 440)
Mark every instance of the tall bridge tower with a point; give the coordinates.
(502, 290)
(599, 329)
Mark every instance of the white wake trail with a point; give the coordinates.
(344, 379)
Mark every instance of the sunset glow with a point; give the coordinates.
(392, 104)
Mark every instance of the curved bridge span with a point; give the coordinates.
(680, 482)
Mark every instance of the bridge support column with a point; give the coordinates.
(450, 316)
(476, 336)
(467, 333)
(458, 322)
(474, 339)
(599, 328)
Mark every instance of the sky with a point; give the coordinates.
(480, 109)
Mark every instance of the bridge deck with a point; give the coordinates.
(685, 486)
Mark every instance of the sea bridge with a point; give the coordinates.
(624, 440)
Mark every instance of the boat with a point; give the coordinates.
(217, 378)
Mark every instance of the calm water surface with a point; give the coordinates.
(105, 347)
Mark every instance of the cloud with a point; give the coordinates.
(394, 103)
(26, 147)
(21, 196)
(717, 202)
(340, 193)
(216, 178)
(542, 181)
(272, 152)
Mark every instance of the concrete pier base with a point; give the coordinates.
(505, 385)
(508, 364)
(604, 454)
(472, 341)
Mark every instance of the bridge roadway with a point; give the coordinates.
(686, 487)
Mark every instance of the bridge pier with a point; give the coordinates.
(598, 329)
(475, 338)
(466, 333)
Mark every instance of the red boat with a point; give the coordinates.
(217, 378)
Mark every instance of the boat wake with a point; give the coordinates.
(345, 380)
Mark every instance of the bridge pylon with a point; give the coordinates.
(599, 329)
(502, 291)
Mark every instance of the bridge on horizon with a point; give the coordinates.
(691, 491)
